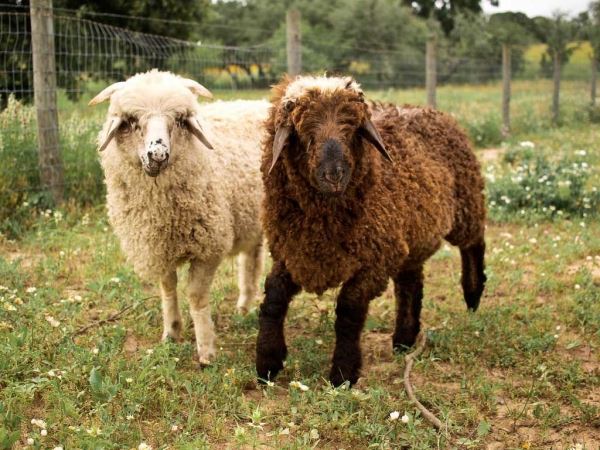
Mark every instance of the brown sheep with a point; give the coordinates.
(355, 194)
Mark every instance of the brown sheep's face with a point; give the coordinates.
(149, 115)
(328, 122)
(327, 127)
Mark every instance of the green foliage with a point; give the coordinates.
(530, 184)
(20, 190)
(445, 11)
(557, 33)
(148, 15)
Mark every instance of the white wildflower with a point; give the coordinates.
(30, 441)
(94, 431)
(44, 432)
(314, 434)
(31, 290)
(527, 144)
(405, 418)
(299, 385)
(52, 321)
(394, 415)
(38, 423)
(144, 446)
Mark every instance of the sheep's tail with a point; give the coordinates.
(473, 273)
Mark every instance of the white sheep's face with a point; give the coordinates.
(148, 138)
(149, 115)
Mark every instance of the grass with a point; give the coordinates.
(522, 372)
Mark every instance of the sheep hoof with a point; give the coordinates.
(204, 363)
(206, 356)
(402, 345)
(472, 300)
(269, 364)
(338, 378)
(171, 338)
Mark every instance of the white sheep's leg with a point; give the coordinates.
(250, 266)
(200, 278)
(170, 308)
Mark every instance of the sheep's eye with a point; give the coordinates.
(180, 121)
(129, 124)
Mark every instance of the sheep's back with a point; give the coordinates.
(437, 137)
(237, 129)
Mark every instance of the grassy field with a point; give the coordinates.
(82, 365)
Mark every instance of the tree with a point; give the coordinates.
(446, 11)
(590, 30)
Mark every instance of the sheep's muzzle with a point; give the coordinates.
(333, 171)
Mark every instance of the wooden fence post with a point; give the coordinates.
(593, 80)
(506, 74)
(44, 91)
(294, 43)
(556, 90)
(431, 70)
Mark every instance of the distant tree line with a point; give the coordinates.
(382, 41)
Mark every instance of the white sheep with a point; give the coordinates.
(183, 185)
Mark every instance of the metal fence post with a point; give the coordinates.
(44, 87)
(294, 43)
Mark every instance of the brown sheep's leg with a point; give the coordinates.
(473, 273)
(408, 289)
(270, 344)
(351, 311)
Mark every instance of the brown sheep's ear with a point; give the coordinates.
(370, 133)
(110, 134)
(281, 136)
(194, 125)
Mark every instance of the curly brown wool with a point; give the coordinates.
(337, 212)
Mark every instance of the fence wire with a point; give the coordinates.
(90, 54)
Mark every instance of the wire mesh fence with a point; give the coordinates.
(90, 54)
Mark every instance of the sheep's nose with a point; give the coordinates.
(335, 175)
(158, 156)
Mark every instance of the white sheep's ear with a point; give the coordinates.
(110, 134)
(196, 129)
(106, 93)
(281, 137)
(196, 88)
(370, 133)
